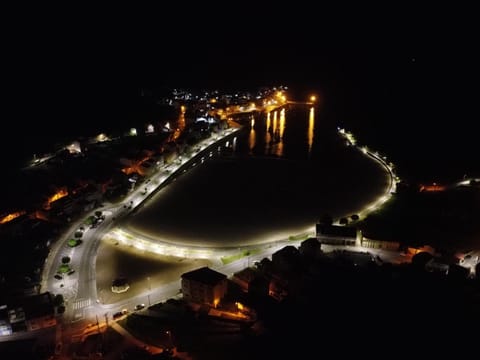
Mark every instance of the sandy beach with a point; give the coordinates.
(143, 270)
(261, 192)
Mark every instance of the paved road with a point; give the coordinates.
(79, 289)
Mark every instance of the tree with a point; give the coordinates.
(420, 259)
(343, 221)
(73, 242)
(58, 300)
(98, 213)
(355, 217)
(65, 260)
(63, 269)
(326, 219)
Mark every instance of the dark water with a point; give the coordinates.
(418, 107)
(276, 179)
(420, 111)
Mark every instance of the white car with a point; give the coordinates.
(139, 307)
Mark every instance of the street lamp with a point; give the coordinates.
(170, 343)
(149, 289)
(100, 297)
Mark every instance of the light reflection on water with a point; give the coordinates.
(252, 136)
(311, 128)
(286, 170)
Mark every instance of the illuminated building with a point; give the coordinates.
(204, 286)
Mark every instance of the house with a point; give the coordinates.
(287, 269)
(251, 281)
(287, 259)
(278, 288)
(243, 278)
(204, 286)
(310, 248)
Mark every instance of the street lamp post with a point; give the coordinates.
(149, 289)
(100, 298)
(98, 324)
(170, 343)
(106, 330)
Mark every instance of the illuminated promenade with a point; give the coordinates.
(86, 299)
(149, 242)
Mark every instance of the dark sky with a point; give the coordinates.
(408, 69)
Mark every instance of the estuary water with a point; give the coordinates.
(283, 171)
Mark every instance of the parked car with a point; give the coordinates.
(117, 315)
(120, 314)
(139, 307)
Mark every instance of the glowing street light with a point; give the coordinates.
(149, 290)
(313, 98)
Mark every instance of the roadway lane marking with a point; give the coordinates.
(80, 304)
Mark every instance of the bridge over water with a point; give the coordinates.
(309, 103)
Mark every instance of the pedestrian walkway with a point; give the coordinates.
(82, 303)
(122, 331)
(150, 348)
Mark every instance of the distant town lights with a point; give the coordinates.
(74, 148)
(101, 137)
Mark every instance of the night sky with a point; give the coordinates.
(410, 78)
(405, 83)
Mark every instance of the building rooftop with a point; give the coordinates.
(33, 306)
(247, 274)
(204, 275)
(335, 230)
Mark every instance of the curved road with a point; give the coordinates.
(79, 289)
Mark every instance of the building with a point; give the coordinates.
(310, 248)
(251, 281)
(380, 244)
(243, 278)
(437, 265)
(338, 235)
(204, 286)
(27, 314)
(287, 259)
